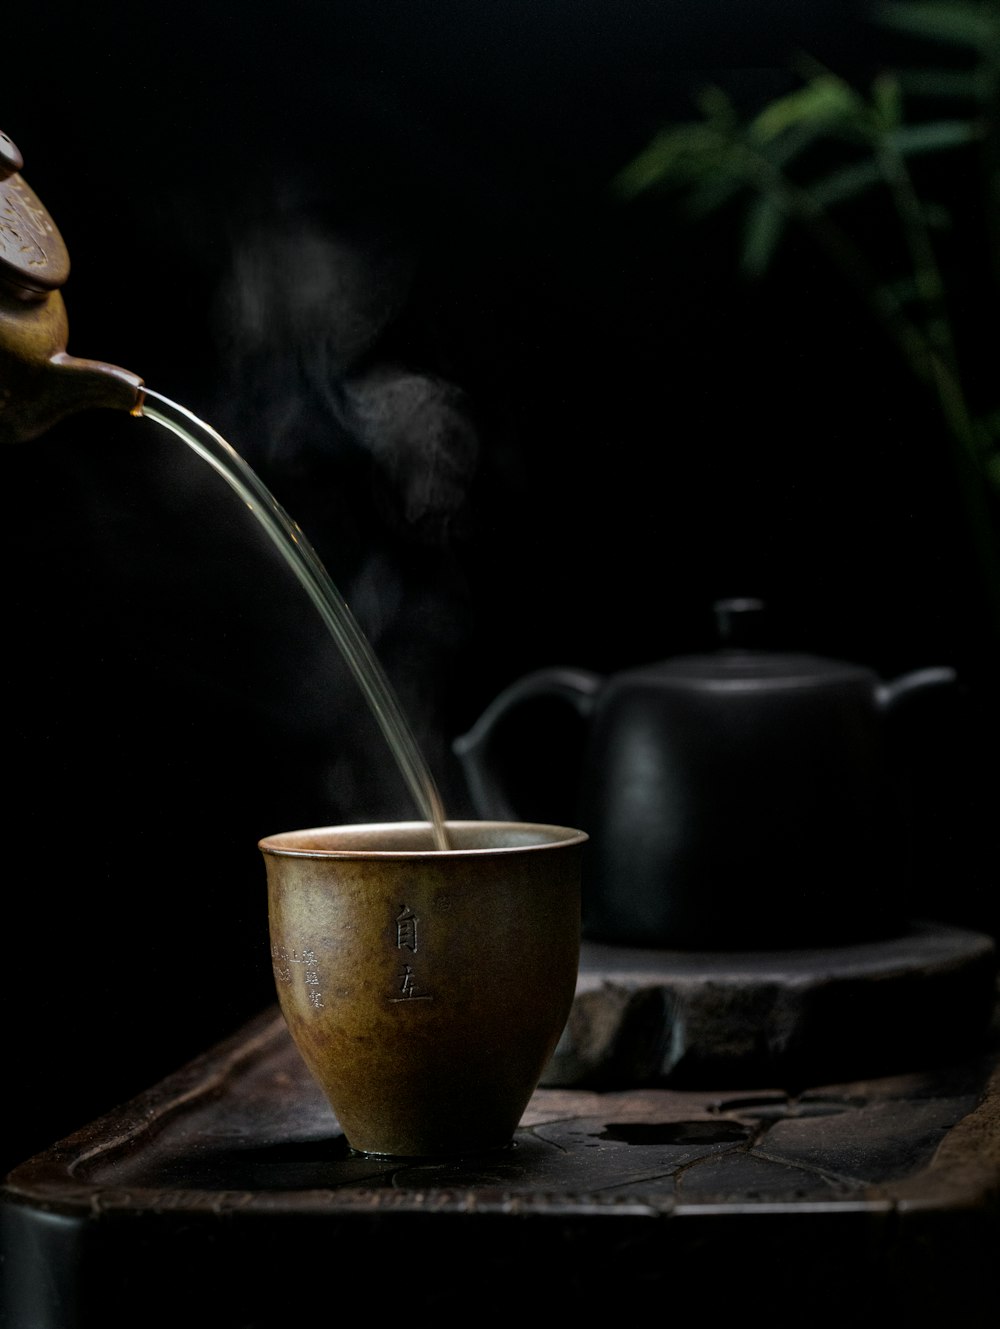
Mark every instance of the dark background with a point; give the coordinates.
(523, 424)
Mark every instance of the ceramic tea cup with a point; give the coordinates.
(425, 989)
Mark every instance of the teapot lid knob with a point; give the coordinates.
(33, 257)
(739, 622)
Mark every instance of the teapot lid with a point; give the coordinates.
(33, 258)
(744, 661)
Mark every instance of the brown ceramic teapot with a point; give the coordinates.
(738, 799)
(39, 383)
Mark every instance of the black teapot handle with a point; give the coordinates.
(475, 748)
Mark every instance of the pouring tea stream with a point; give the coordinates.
(41, 384)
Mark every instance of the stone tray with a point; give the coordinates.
(795, 1017)
(225, 1196)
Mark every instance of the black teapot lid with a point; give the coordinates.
(745, 660)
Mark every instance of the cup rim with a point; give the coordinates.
(300, 843)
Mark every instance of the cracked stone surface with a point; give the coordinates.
(878, 1192)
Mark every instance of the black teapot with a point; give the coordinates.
(738, 799)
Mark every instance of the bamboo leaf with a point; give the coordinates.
(675, 155)
(789, 145)
(764, 227)
(824, 102)
(887, 101)
(847, 183)
(910, 140)
(717, 108)
(958, 23)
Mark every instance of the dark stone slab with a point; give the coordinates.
(794, 1018)
(868, 1142)
(225, 1195)
(750, 1178)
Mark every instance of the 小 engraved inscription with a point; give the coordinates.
(282, 960)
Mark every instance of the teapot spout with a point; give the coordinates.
(918, 680)
(78, 385)
(40, 383)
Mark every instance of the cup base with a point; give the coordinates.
(438, 1156)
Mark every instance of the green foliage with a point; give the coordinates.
(966, 23)
(811, 156)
